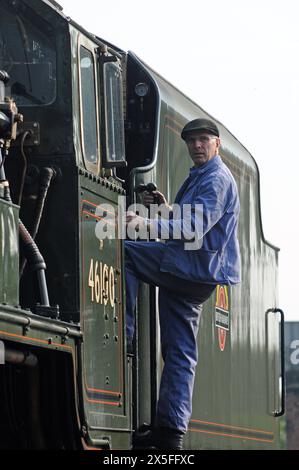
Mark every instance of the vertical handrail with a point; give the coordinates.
(281, 412)
(153, 353)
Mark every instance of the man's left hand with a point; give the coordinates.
(139, 222)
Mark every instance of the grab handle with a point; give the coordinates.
(281, 412)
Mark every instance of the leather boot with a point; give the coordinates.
(158, 438)
(143, 438)
(168, 438)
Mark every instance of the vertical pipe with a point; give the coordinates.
(44, 297)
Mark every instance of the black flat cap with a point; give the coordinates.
(200, 125)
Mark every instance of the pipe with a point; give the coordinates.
(23, 358)
(48, 175)
(36, 261)
(24, 318)
(43, 291)
(32, 252)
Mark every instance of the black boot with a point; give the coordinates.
(168, 438)
(143, 438)
(158, 438)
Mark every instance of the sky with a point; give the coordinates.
(239, 61)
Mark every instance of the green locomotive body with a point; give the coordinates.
(98, 122)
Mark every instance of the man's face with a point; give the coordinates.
(202, 147)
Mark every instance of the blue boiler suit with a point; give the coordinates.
(186, 278)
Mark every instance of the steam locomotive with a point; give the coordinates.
(83, 124)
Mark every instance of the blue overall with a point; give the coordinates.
(185, 280)
(180, 305)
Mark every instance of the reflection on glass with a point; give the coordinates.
(28, 54)
(114, 113)
(88, 95)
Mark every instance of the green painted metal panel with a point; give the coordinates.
(105, 370)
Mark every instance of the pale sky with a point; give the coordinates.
(239, 60)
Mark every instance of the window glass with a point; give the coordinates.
(88, 97)
(114, 113)
(28, 54)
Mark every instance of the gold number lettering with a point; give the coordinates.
(105, 283)
(91, 280)
(97, 283)
(101, 281)
(111, 287)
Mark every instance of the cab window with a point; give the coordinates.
(28, 54)
(88, 109)
(114, 113)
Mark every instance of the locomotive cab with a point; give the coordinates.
(69, 87)
(69, 90)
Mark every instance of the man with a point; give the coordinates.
(186, 278)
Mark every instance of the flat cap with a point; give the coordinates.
(200, 125)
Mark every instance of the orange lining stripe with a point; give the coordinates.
(172, 129)
(103, 391)
(236, 436)
(232, 427)
(98, 217)
(28, 338)
(174, 121)
(93, 448)
(112, 403)
(97, 205)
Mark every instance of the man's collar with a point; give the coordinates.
(213, 162)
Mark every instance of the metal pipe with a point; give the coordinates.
(36, 262)
(43, 291)
(48, 175)
(32, 252)
(23, 358)
(100, 442)
(28, 319)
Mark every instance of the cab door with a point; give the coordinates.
(104, 372)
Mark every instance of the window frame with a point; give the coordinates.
(92, 48)
(105, 60)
